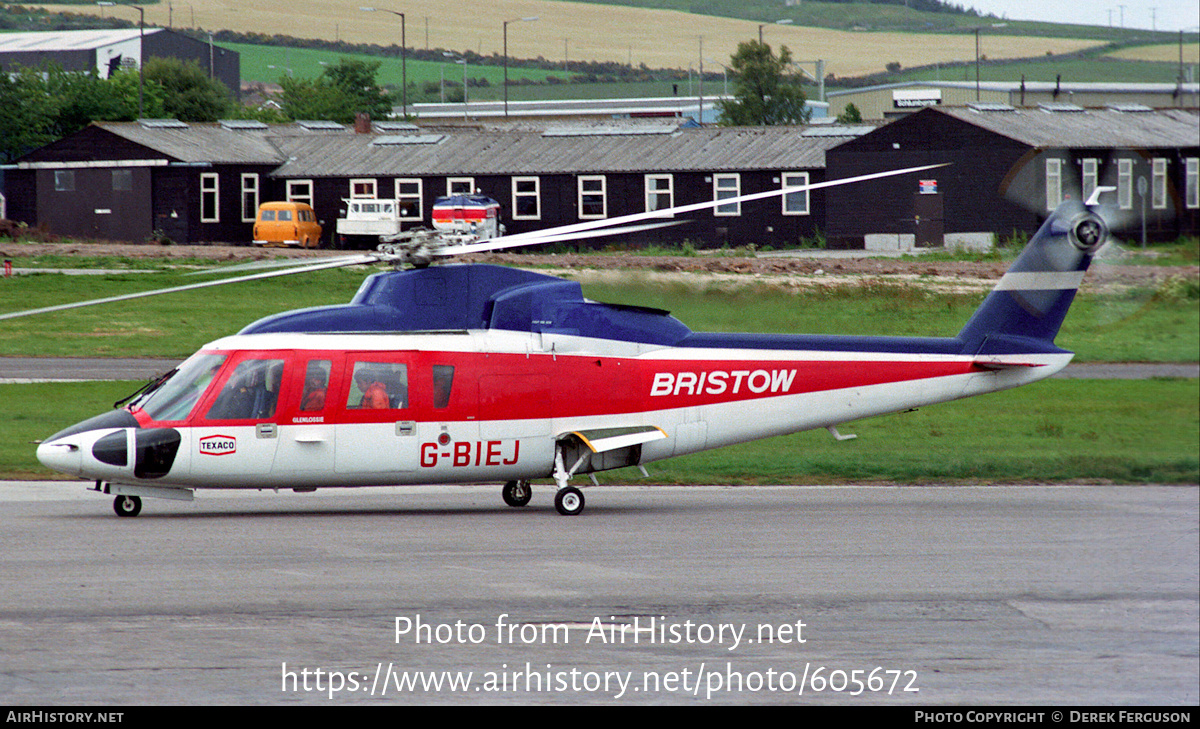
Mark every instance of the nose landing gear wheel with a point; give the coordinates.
(127, 505)
(516, 493)
(569, 501)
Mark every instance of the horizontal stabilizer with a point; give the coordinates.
(608, 439)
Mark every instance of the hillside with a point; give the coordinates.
(657, 38)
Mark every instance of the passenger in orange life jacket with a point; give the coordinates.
(314, 392)
(375, 394)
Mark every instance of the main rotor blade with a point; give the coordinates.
(261, 265)
(535, 237)
(337, 263)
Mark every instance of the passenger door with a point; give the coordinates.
(378, 434)
(306, 426)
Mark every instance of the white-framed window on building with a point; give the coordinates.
(1125, 184)
(795, 203)
(408, 199)
(1192, 182)
(64, 180)
(1158, 183)
(726, 186)
(249, 197)
(526, 198)
(1053, 183)
(660, 192)
(1091, 177)
(364, 188)
(210, 196)
(122, 180)
(300, 191)
(593, 196)
(460, 185)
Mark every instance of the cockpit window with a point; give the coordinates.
(176, 397)
(251, 392)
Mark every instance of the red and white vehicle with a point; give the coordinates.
(473, 373)
(475, 215)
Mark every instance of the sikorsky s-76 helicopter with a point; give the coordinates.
(474, 374)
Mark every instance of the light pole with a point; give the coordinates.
(403, 56)
(141, 52)
(724, 75)
(529, 19)
(977, 29)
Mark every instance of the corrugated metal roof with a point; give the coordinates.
(1087, 128)
(531, 152)
(197, 142)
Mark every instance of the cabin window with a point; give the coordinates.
(795, 203)
(1158, 187)
(1053, 183)
(209, 198)
(300, 191)
(250, 393)
(408, 199)
(526, 198)
(1091, 176)
(249, 197)
(362, 188)
(460, 185)
(175, 398)
(64, 180)
(122, 180)
(316, 386)
(378, 386)
(660, 192)
(1125, 184)
(1192, 183)
(725, 187)
(593, 200)
(443, 382)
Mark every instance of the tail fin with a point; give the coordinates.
(1027, 307)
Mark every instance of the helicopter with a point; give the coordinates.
(473, 373)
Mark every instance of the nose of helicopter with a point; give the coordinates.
(62, 455)
(64, 451)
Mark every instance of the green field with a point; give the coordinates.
(267, 64)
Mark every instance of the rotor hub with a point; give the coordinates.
(1088, 232)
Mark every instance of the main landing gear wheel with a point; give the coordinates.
(517, 493)
(127, 505)
(569, 501)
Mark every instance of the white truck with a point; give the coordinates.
(366, 221)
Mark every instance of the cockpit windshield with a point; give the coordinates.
(176, 397)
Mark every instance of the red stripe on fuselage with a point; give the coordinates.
(496, 387)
